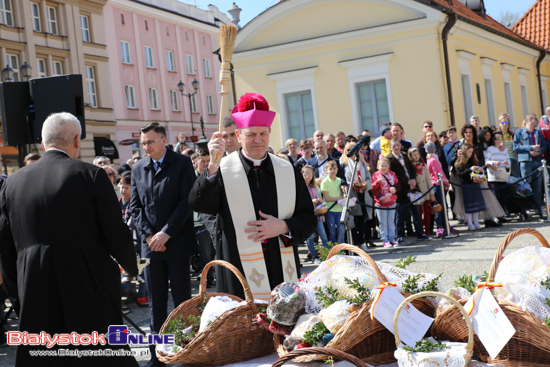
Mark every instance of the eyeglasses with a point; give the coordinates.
(102, 163)
(505, 122)
(307, 174)
(534, 118)
(498, 138)
(427, 126)
(146, 143)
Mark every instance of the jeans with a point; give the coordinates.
(536, 182)
(311, 242)
(333, 222)
(401, 213)
(386, 221)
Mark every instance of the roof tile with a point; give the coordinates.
(534, 25)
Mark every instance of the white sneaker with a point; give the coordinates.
(478, 226)
(471, 228)
(364, 247)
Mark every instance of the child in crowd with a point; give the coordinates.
(384, 188)
(434, 167)
(466, 166)
(423, 184)
(331, 187)
(497, 161)
(385, 141)
(308, 173)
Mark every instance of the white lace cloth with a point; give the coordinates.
(452, 356)
(521, 274)
(331, 273)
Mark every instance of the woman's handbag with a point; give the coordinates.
(435, 207)
(502, 173)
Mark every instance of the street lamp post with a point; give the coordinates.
(181, 87)
(7, 73)
(26, 70)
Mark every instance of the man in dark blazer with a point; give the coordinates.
(406, 175)
(60, 228)
(321, 158)
(161, 183)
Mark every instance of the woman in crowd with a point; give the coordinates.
(360, 189)
(423, 184)
(292, 146)
(113, 176)
(507, 133)
(467, 167)
(497, 161)
(493, 208)
(486, 137)
(431, 135)
(316, 198)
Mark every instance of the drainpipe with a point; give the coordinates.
(451, 21)
(539, 61)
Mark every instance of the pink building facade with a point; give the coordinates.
(151, 48)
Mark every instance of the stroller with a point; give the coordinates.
(520, 197)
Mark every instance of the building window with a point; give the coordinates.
(189, 64)
(51, 18)
(36, 22)
(125, 52)
(57, 68)
(206, 63)
(91, 86)
(130, 96)
(85, 28)
(299, 109)
(13, 62)
(467, 96)
(170, 63)
(42, 73)
(175, 100)
(153, 99)
(373, 105)
(509, 100)
(211, 106)
(149, 57)
(6, 12)
(524, 100)
(491, 111)
(194, 103)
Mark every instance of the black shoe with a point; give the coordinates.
(503, 220)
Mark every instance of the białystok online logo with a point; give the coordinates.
(116, 335)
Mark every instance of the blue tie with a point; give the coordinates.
(156, 165)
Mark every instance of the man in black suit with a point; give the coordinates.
(160, 187)
(60, 228)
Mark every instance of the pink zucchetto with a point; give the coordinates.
(252, 110)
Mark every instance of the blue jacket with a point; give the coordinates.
(523, 145)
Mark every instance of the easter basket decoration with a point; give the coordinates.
(452, 355)
(529, 346)
(360, 335)
(233, 337)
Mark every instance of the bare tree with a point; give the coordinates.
(508, 18)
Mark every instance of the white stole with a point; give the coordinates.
(241, 207)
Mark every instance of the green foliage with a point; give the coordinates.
(547, 320)
(484, 277)
(410, 285)
(363, 293)
(322, 251)
(467, 282)
(203, 302)
(326, 296)
(425, 346)
(330, 360)
(176, 327)
(315, 335)
(546, 283)
(404, 262)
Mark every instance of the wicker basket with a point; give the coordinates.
(470, 344)
(233, 337)
(329, 352)
(529, 346)
(360, 336)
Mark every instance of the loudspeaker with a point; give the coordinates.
(15, 101)
(56, 94)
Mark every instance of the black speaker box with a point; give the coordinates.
(15, 100)
(56, 94)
